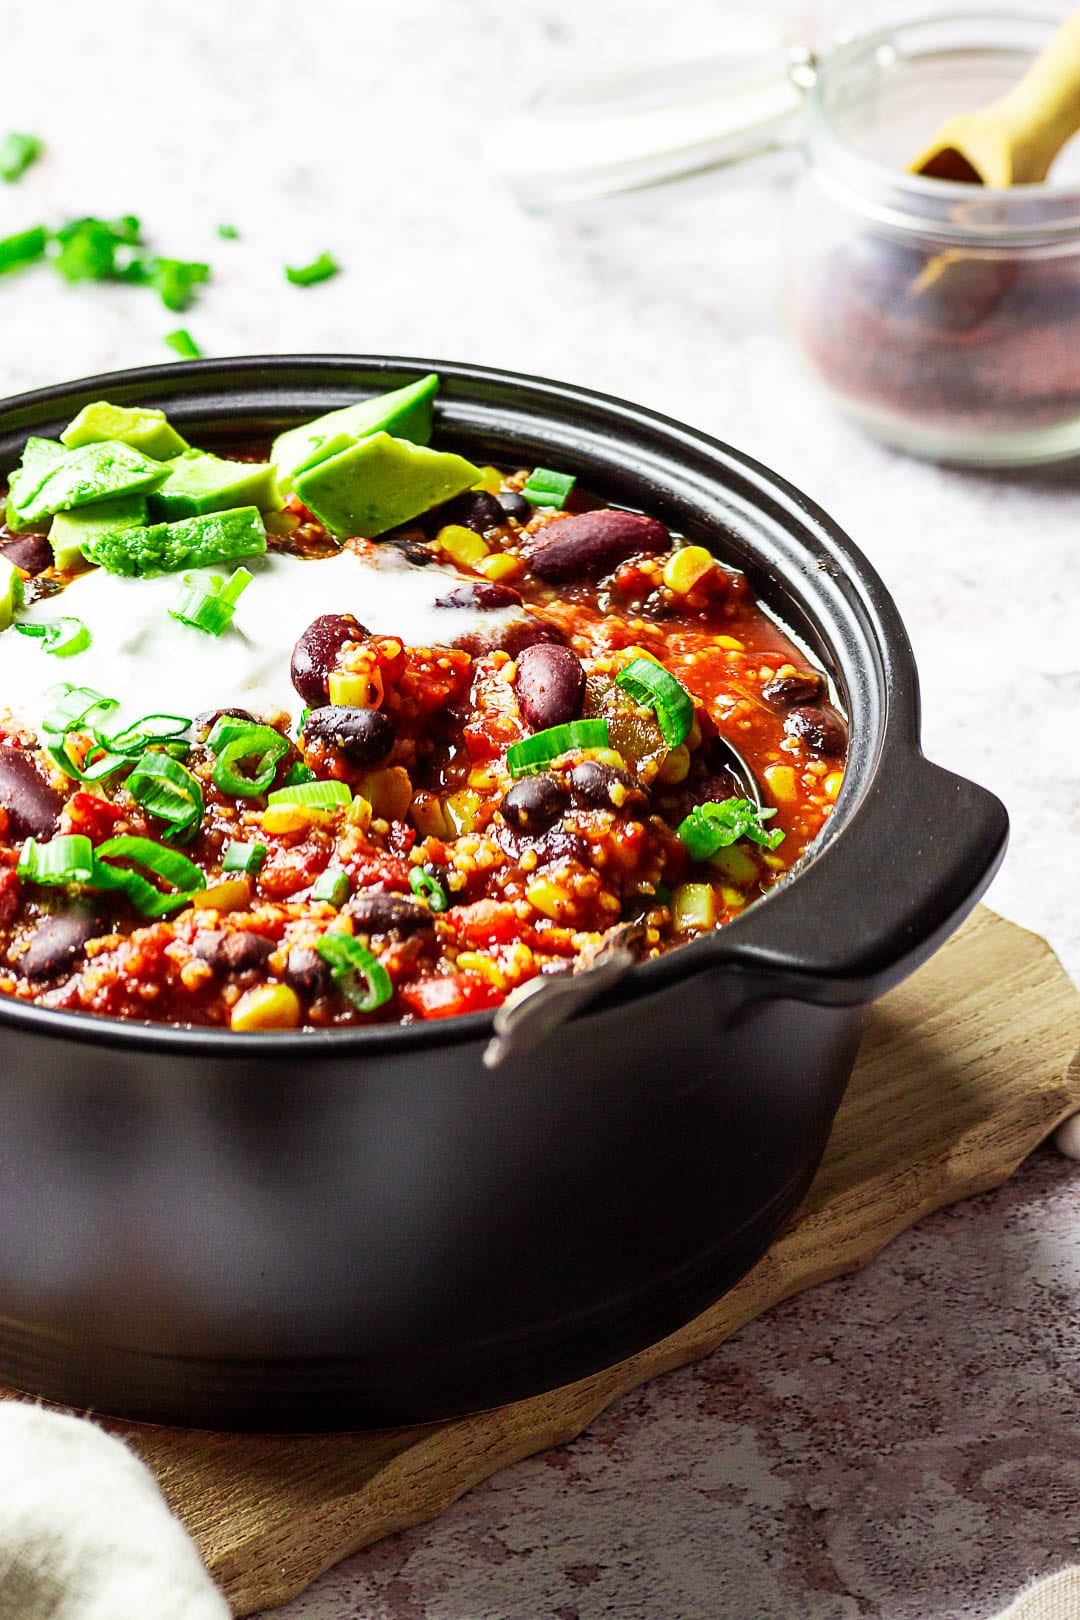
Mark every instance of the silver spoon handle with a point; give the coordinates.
(590, 138)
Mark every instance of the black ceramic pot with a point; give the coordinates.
(346, 1229)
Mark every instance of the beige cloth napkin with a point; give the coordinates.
(1055, 1598)
(84, 1531)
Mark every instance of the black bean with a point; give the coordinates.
(32, 806)
(822, 730)
(475, 510)
(534, 803)
(591, 544)
(558, 845)
(232, 950)
(30, 552)
(59, 939)
(363, 735)
(785, 690)
(381, 913)
(604, 787)
(550, 685)
(315, 654)
(307, 972)
(514, 505)
(480, 593)
(417, 553)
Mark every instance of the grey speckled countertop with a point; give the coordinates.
(900, 1444)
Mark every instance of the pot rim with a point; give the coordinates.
(777, 935)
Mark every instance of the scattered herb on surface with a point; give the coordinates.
(320, 269)
(17, 152)
(183, 343)
(228, 233)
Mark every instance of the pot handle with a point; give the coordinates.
(589, 138)
(915, 856)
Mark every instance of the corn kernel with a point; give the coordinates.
(461, 810)
(693, 908)
(500, 565)
(477, 962)
(388, 791)
(268, 1006)
(685, 567)
(484, 777)
(832, 783)
(359, 812)
(463, 546)
(552, 899)
(732, 643)
(781, 780)
(230, 895)
(640, 652)
(732, 898)
(285, 818)
(676, 766)
(490, 480)
(364, 691)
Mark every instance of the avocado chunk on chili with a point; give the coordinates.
(194, 542)
(70, 531)
(199, 483)
(146, 430)
(405, 412)
(11, 592)
(94, 472)
(381, 482)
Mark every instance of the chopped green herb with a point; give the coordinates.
(316, 795)
(174, 279)
(320, 269)
(356, 971)
(169, 791)
(62, 637)
(210, 604)
(17, 152)
(228, 233)
(183, 343)
(533, 753)
(168, 864)
(68, 858)
(548, 488)
(22, 248)
(428, 888)
(298, 772)
(659, 690)
(95, 249)
(332, 885)
(713, 826)
(247, 756)
(241, 857)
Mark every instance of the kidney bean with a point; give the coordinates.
(822, 730)
(604, 787)
(475, 510)
(58, 939)
(514, 505)
(534, 803)
(362, 735)
(33, 807)
(382, 913)
(550, 685)
(316, 652)
(785, 690)
(480, 593)
(591, 544)
(30, 552)
(306, 972)
(232, 950)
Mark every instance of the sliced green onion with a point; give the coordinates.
(320, 269)
(168, 790)
(658, 689)
(67, 859)
(62, 637)
(247, 756)
(428, 888)
(352, 965)
(23, 248)
(151, 728)
(228, 233)
(183, 344)
(716, 824)
(74, 706)
(533, 753)
(146, 897)
(332, 885)
(210, 604)
(241, 857)
(17, 152)
(297, 772)
(546, 487)
(316, 795)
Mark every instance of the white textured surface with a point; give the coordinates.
(357, 128)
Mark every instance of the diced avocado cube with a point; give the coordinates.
(406, 413)
(39, 457)
(145, 430)
(380, 483)
(70, 530)
(80, 477)
(11, 592)
(194, 542)
(200, 483)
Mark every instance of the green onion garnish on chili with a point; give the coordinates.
(76, 709)
(356, 971)
(315, 795)
(533, 753)
(247, 756)
(209, 604)
(545, 487)
(165, 729)
(166, 864)
(428, 888)
(297, 772)
(167, 789)
(655, 687)
(241, 857)
(66, 859)
(332, 885)
(61, 637)
(711, 827)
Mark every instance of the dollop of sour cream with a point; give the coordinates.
(153, 664)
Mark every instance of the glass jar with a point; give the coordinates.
(943, 318)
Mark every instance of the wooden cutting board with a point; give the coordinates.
(963, 1071)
